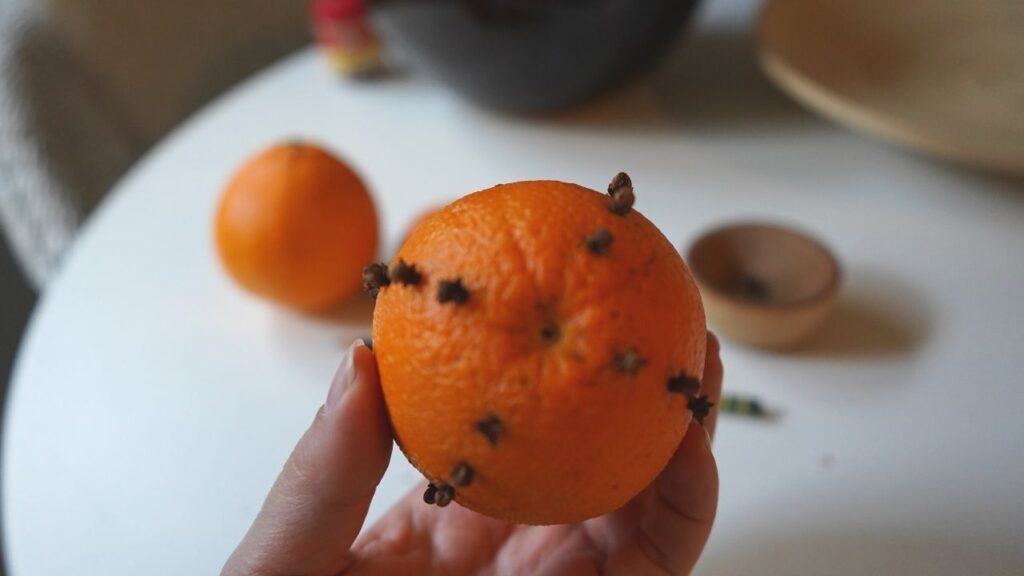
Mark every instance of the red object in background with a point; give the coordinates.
(343, 32)
(333, 10)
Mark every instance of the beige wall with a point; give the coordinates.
(158, 60)
(86, 86)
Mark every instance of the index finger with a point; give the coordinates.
(712, 382)
(317, 506)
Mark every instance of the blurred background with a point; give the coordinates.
(910, 111)
(88, 87)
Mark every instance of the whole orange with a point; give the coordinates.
(538, 345)
(295, 225)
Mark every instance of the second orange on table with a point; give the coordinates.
(296, 225)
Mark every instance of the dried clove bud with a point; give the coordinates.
(700, 406)
(599, 241)
(491, 427)
(430, 495)
(445, 495)
(550, 333)
(462, 474)
(452, 291)
(404, 273)
(752, 288)
(683, 383)
(375, 277)
(629, 362)
(621, 191)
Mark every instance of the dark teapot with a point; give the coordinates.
(531, 55)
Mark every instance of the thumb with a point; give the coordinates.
(319, 502)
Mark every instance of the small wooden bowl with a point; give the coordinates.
(764, 285)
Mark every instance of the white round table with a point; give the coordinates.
(153, 402)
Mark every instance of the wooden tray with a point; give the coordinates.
(941, 76)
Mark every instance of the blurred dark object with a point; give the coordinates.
(342, 31)
(18, 299)
(531, 55)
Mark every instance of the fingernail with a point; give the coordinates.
(343, 378)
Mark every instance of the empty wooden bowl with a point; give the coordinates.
(764, 285)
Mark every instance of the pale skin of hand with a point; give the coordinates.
(311, 519)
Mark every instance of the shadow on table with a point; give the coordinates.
(310, 337)
(1008, 187)
(713, 81)
(710, 81)
(356, 311)
(855, 551)
(877, 315)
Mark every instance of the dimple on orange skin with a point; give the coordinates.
(539, 346)
(296, 225)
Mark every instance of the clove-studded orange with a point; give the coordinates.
(539, 345)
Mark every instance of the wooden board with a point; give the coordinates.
(940, 76)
